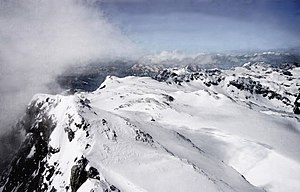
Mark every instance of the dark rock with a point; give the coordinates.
(93, 173)
(85, 126)
(143, 136)
(53, 189)
(247, 84)
(87, 146)
(53, 150)
(113, 188)
(169, 98)
(114, 135)
(288, 73)
(71, 134)
(26, 174)
(78, 174)
(297, 105)
(85, 103)
(50, 171)
(104, 122)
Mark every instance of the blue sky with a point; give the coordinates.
(207, 25)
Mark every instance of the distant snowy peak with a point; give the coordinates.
(177, 58)
(165, 56)
(224, 61)
(271, 53)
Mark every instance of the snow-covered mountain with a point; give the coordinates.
(225, 61)
(89, 77)
(206, 130)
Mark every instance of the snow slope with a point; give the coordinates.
(139, 134)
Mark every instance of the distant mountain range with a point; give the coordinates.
(90, 76)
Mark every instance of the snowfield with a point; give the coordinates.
(139, 134)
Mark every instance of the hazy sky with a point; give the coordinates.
(207, 25)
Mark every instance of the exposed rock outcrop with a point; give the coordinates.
(27, 167)
(297, 105)
(78, 174)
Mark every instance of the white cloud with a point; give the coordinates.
(40, 38)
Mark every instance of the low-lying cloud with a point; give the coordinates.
(39, 38)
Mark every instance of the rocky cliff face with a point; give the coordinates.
(26, 169)
(216, 130)
(33, 168)
(297, 105)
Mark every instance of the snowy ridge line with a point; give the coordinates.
(271, 84)
(139, 134)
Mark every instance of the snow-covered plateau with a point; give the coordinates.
(211, 130)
